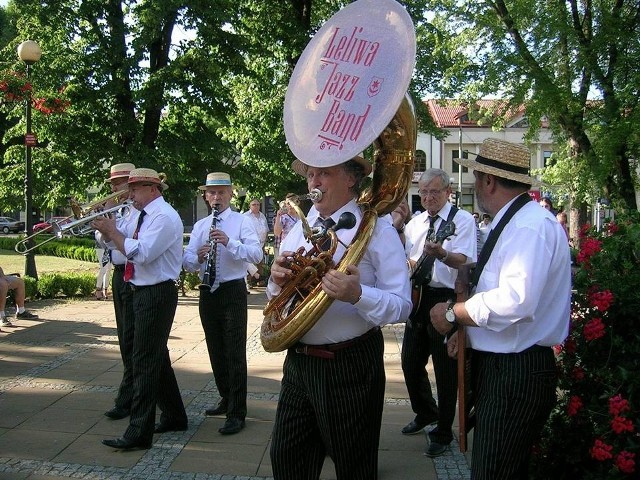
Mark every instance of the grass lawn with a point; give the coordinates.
(12, 262)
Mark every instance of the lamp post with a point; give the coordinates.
(29, 52)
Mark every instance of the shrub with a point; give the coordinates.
(593, 433)
(30, 287)
(49, 285)
(191, 280)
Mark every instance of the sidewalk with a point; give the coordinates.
(59, 374)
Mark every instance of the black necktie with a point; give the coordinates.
(430, 231)
(327, 224)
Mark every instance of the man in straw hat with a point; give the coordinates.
(332, 390)
(421, 341)
(518, 310)
(122, 296)
(223, 300)
(153, 248)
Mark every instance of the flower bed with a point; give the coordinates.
(593, 433)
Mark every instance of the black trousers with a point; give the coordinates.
(154, 382)
(515, 393)
(330, 407)
(420, 342)
(223, 314)
(125, 321)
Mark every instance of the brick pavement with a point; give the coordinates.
(58, 374)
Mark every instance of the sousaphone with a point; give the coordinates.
(347, 91)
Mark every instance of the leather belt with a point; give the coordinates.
(142, 287)
(328, 350)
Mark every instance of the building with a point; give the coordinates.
(466, 128)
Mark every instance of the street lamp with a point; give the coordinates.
(29, 52)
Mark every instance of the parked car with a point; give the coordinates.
(8, 224)
(46, 225)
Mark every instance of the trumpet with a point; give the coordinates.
(26, 245)
(59, 228)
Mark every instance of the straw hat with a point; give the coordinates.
(504, 159)
(120, 170)
(301, 168)
(147, 175)
(216, 179)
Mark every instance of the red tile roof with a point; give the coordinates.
(451, 113)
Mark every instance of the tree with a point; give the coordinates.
(574, 63)
(137, 92)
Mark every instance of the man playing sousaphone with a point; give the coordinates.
(332, 390)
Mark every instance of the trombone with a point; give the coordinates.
(80, 212)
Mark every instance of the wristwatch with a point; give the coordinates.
(450, 315)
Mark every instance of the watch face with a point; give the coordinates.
(450, 315)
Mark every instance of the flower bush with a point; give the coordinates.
(50, 104)
(594, 431)
(14, 87)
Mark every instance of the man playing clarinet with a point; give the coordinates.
(219, 252)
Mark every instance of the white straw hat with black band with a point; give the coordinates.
(503, 159)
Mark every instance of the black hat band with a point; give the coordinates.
(501, 165)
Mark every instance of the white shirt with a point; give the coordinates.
(157, 253)
(523, 295)
(386, 292)
(464, 241)
(260, 224)
(122, 220)
(243, 246)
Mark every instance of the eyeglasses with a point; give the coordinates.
(431, 193)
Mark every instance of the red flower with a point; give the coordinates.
(601, 451)
(570, 346)
(594, 329)
(588, 248)
(601, 300)
(578, 373)
(621, 425)
(625, 462)
(575, 405)
(612, 227)
(618, 405)
(584, 230)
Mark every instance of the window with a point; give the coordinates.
(420, 162)
(548, 160)
(456, 166)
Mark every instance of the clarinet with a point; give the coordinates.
(209, 277)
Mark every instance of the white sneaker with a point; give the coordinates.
(6, 322)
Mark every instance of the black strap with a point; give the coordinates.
(423, 270)
(483, 258)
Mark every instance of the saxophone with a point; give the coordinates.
(209, 281)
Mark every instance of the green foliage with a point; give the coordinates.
(75, 248)
(30, 286)
(51, 285)
(191, 280)
(593, 431)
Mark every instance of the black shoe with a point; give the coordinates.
(231, 426)
(414, 426)
(435, 449)
(126, 443)
(116, 413)
(26, 315)
(169, 427)
(220, 409)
